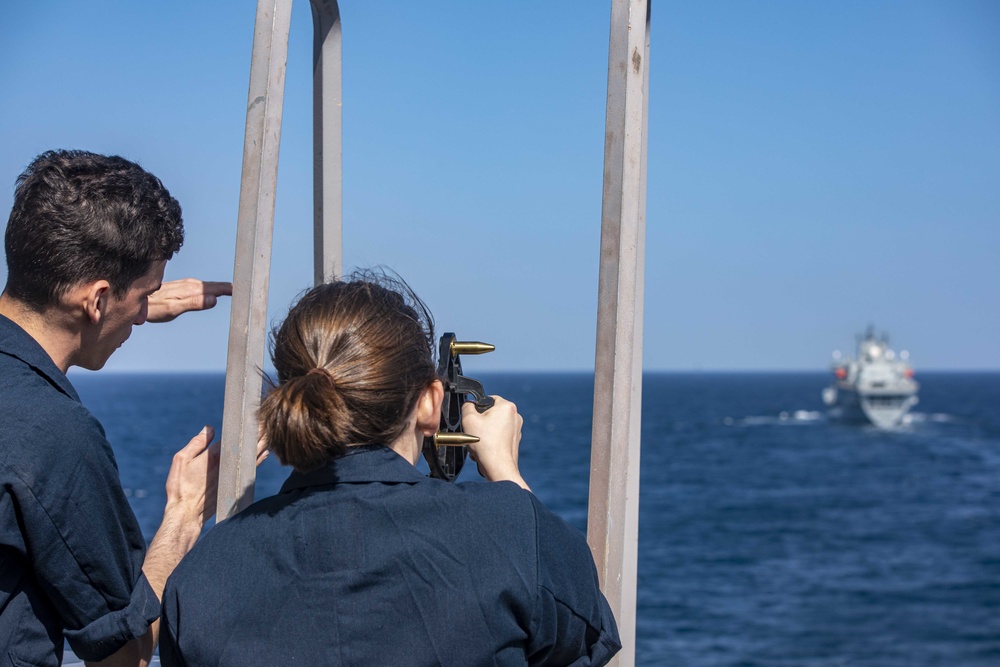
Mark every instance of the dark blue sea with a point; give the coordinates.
(767, 536)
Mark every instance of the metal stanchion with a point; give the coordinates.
(613, 519)
(255, 222)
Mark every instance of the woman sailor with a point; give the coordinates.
(361, 559)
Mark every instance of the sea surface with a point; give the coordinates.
(768, 535)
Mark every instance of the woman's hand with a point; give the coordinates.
(499, 433)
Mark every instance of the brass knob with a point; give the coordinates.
(453, 439)
(470, 347)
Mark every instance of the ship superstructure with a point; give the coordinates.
(877, 386)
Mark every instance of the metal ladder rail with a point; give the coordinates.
(327, 142)
(255, 221)
(613, 513)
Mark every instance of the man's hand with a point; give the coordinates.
(179, 296)
(192, 486)
(499, 433)
(193, 481)
(262, 451)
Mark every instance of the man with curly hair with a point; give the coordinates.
(86, 245)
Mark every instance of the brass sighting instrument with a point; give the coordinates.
(445, 451)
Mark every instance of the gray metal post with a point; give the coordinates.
(327, 152)
(613, 520)
(251, 273)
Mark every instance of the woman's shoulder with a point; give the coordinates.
(507, 504)
(494, 496)
(226, 543)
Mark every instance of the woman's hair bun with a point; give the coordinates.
(304, 420)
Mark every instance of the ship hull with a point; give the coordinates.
(882, 409)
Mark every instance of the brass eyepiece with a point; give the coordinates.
(470, 347)
(453, 439)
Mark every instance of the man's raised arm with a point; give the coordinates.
(180, 296)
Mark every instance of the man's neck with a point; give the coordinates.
(51, 328)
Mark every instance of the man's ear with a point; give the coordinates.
(429, 408)
(93, 299)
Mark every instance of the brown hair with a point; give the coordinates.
(352, 358)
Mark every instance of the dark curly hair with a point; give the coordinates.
(79, 217)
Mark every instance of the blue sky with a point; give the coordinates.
(813, 167)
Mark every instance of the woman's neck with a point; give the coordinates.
(409, 444)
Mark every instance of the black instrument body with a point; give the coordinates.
(446, 462)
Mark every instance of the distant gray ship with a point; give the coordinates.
(876, 387)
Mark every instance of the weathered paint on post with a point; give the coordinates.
(613, 520)
(327, 151)
(251, 273)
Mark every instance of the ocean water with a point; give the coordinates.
(767, 534)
